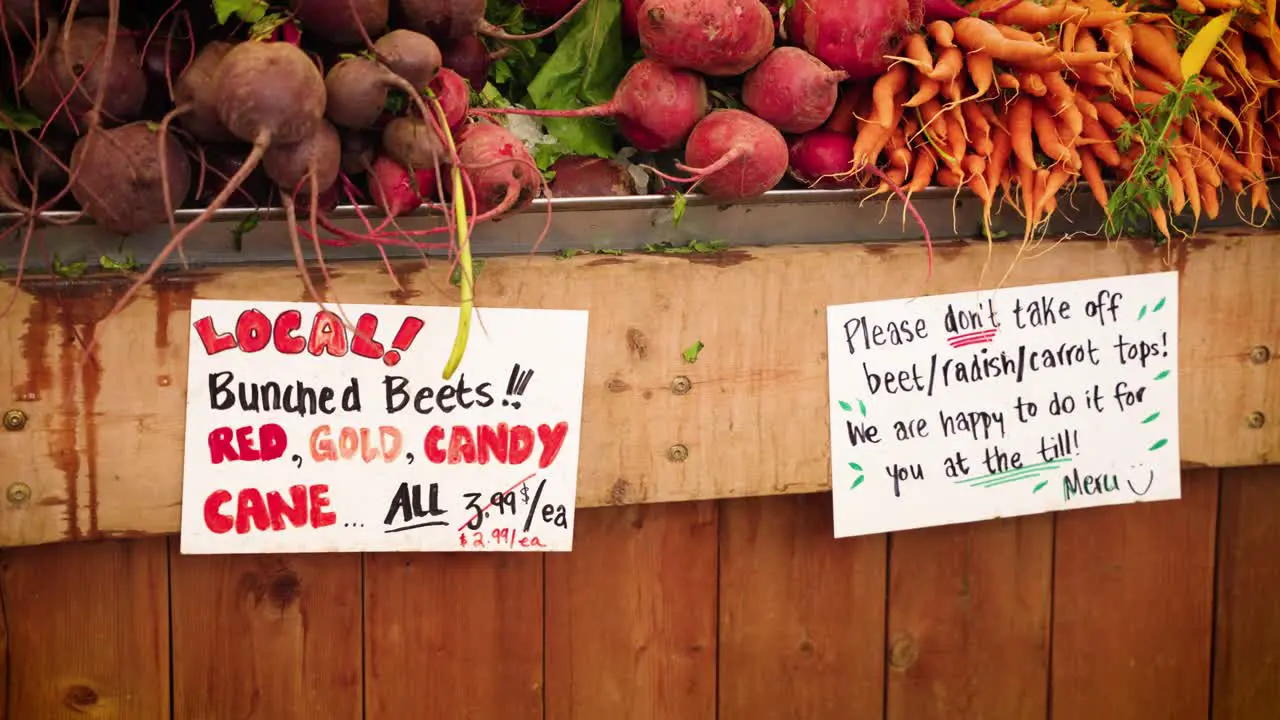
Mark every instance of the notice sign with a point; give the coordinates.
(305, 434)
(963, 407)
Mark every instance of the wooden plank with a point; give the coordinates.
(754, 422)
(801, 614)
(1133, 607)
(271, 636)
(969, 613)
(453, 635)
(1246, 658)
(631, 616)
(88, 630)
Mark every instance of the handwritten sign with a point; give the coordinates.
(308, 434)
(954, 408)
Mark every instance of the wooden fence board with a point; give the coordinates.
(754, 423)
(631, 616)
(275, 637)
(1246, 664)
(801, 614)
(969, 614)
(453, 636)
(88, 630)
(1133, 608)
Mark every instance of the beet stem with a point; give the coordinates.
(498, 33)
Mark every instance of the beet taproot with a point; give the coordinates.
(293, 166)
(342, 22)
(448, 20)
(502, 171)
(118, 178)
(269, 92)
(823, 159)
(586, 176)
(414, 143)
(453, 95)
(411, 55)
(196, 92)
(468, 57)
(734, 155)
(792, 90)
(396, 190)
(119, 79)
(713, 37)
(854, 35)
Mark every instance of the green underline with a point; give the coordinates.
(987, 479)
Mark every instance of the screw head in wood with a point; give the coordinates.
(1257, 420)
(677, 453)
(14, 420)
(681, 385)
(18, 493)
(1259, 354)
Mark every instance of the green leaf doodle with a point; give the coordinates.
(857, 481)
(1158, 306)
(862, 408)
(855, 466)
(1159, 444)
(1143, 312)
(844, 406)
(1151, 417)
(1162, 375)
(1039, 486)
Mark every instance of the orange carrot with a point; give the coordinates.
(1063, 97)
(1014, 33)
(1177, 191)
(1109, 114)
(981, 73)
(978, 127)
(975, 34)
(998, 160)
(842, 117)
(1054, 181)
(1066, 61)
(1032, 84)
(1047, 137)
(948, 177)
(942, 33)
(1214, 149)
(930, 117)
(1161, 221)
(1007, 81)
(1090, 73)
(1190, 185)
(1100, 141)
(1150, 79)
(1209, 200)
(949, 64)
(916, 50)
(922, 175)
(1119, 38)
(956, 140)
(1020, 128)
(926, 89)
(1030, 14)
(1153, 48)
(884, 92)
(1093, 175)
(1102, 14)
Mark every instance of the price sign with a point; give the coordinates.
(332, 430)
(962, 407)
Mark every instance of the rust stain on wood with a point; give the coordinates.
(724, 259)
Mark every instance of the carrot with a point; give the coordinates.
(1195, 7)
(1093, 176)
(926, 90)
(1177, 191)
(957, 140)
(1190, 184)
(883, 93)
(1150, 79)
(1007, 81)
(842, 116)
(896, 151)
(949, 177)
(1213, 149)
(1102, 14)
(923, 172)
(989, 114)
(975, 34)
(917, 52)
(1054, 181)
(930, 113)
(1047, 136)
(952, 91)
(949, 64)
(978, 127)
(998, 161)
(1067, 39)
(1063, 97)
(1027, 189)
(1109, 114)
(941, 33)
(1156, 50)
(1209, 200)
(1014, 33)
(1029, 14)
(1206, 173)
(1067, 61)
(1021, 114)
(1259, 69)
(981, 73)
(1090, 73)
(1032, 83)
(1161, 221)
(1119, 37)
(1099, 140)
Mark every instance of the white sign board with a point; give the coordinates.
(304, 435)
(970, 406)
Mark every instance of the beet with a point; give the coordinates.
(222, 162)
(655, 106)
(547, 9)
(854, 35)
(358, 150)
(121, 81)
(9, 182)
(792, 90)
(45, 161)
(414, 143)
(734, 155)
(195, 87)
(341, 21)
(397, 191)
(269, 92)
(118, 181)
(816, 157)
(502, 171)
(469, 57)
(448, 20)
(291, 166)
(631, 17)
(585, 176)
(714, 37)
(356, 88)
(411, 55)
(20, 16)
(453, 95)
(949, 10)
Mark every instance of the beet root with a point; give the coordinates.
(269, 92)
(356, 91)
(823, 159)
(453, 95)
(195, 88)
(222, 162)
(585, 176)
(502, 171)
(318, 157)
(358, 151)
(342, 22)
(46, 161)
(119, 79)
(414, 143)
(468, 57)
(411, 55)
(118, 179)
(714, 37)
(396, 190)
(792, 90)
(734, 155)
(448, 20)
(8, 182)
(854, 35)
(655, 105)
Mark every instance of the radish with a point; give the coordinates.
(452, 19)
(818, 157)
(792, 90)
(582, 176)
(119, 180)
(714, 37)
(342, 22)
(656, 106)
(502, 171)
(734, 155)
(118, 78)
(854, 35)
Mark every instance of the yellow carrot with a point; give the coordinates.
(1194, 57)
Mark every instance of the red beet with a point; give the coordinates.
(734, 155)
(655, 106)
(468, 57)
(396, 191)
(453, 95)
(502, 171)
(631, 17)
(583, 176)
(340, 21)
(792, 90)
(547, 9)
(714, 37)
(854, 35)
(818, 156)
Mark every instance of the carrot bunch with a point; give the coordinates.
(1026, 105)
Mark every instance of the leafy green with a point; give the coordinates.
(677, 208)
(247, 225)
(694, 246)
(455, 278)
(250, 11)
(16, 118)
(691, 353)
(584, 70)
(124, 264)
(68, 270)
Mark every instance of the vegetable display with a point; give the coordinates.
(126, 112)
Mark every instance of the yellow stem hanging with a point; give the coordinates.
(466, 273)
